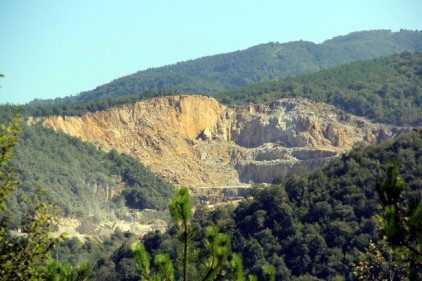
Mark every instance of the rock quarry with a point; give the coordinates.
(197, 142)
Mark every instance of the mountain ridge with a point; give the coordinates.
(264, 62)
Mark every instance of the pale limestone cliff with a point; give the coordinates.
(195, 141)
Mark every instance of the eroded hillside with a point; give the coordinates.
(195, 141)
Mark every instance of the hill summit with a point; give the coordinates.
(265, 62)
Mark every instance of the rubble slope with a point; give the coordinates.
(195, 141)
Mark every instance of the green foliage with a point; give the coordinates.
(22, 256)
(212, 260)
(59, 271)
(390, 192)
(401, 219)
(115, 259)
(142, 259)
(145, 190)
(8, 140)
(164, 267)
(268, 272)
(379, 262)
(162, 263)
(180, 209)
(217, 245)
(236, 264)
(68, 107)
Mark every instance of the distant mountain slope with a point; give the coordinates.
(387, 89)
(264, 62)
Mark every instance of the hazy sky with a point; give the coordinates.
(57, 48)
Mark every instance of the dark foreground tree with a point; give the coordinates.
(21, 254)
(61, 271)
(401, 220)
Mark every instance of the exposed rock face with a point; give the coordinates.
(195, 141)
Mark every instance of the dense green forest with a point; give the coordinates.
(386, 89)
(79, 178)
(315, 226)
(265, 62)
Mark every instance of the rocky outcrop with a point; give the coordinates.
(195, 141)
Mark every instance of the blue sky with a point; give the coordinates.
(58, 48)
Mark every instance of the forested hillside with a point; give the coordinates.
(387, 89)
(315, 226)
(78, 178)
(271, 61)
(310, 226)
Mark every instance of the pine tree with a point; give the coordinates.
(219, 263)
(401, 220)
